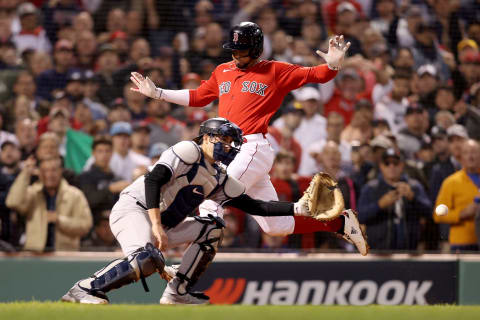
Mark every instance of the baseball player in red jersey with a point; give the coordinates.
(250, 91)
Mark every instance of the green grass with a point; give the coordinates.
(67, 311)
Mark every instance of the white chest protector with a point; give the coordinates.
(193, 180)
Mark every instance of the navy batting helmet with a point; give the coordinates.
(246, 36)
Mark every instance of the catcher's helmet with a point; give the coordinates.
(222, 127)
(246, 35)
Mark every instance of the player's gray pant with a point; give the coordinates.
(131, 226)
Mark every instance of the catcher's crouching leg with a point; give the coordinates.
(195, 261)
(137, 266)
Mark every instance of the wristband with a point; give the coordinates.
(158, 93)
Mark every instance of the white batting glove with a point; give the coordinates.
(300, 208)
(336, 52)
(145, 86)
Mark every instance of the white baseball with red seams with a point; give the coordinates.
(441, 210)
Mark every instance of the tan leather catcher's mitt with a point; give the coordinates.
(323, 197)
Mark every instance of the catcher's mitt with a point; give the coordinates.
(323, 197)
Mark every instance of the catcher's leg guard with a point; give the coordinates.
(199, 254)
(139, 265)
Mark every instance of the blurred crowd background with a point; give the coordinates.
(398, 127)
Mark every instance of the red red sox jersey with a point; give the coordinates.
(250, 97)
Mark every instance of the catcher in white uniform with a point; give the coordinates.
(151, 215)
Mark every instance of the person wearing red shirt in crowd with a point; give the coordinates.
(289, 187)
(250, 91)
(331, 10)
(349, 88)
(282, 138)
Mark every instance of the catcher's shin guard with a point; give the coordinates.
(139, 265)
(200, 253)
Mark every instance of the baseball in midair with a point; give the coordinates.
(441, 210)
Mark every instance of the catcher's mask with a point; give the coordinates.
(223, 128)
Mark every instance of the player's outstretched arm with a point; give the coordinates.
(146, 87)
(336, 52)
(267, 208)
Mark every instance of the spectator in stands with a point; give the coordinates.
(164, 128)
(99, 184)
(444, 119)
(312, 127)
(91, 99)
(101, 237)
(281, 50)
(392, 205)
(288, 186)
(426, 50)
(386, 11)
(50, 81)
(124, 161)
(58, 123)
(26, 133)
(348, 85)
(5, 135)
(10, 228)
(85, 49)
(75, 87)
(346, 16)
(329, 160)
(360, 128)
(449, 160)
(135, 102)
(141, 138)
(410, 138)
(460, 193)
(426, 86)
(107, 63)
(58, 15)
(335, 126)
(38, 62)
(156, 151)
(232, 238)
(468, 116)
(57, 213)
(392, 107)
(212, 51)
(32, 35)
(283, 138)
(119, 112)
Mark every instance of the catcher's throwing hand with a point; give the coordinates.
(145, 86)
(160, 237)
(322, 200)
(336, 52)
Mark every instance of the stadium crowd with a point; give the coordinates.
(398, 127)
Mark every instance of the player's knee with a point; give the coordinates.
(147, 261)
(211, 233)
(139, 265)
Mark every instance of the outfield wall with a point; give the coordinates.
(268, 279)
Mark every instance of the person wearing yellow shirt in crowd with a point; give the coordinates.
(460, 192)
